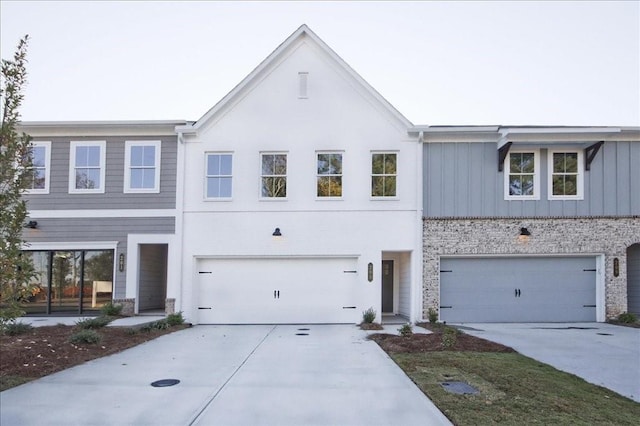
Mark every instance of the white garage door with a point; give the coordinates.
(518, 289)
(277, 291)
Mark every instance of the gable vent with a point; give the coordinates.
(303, 82)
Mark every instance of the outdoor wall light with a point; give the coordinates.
(277, 233)
(525, 232)
(32, 224)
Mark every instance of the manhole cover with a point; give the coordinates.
(302, 334)
(460, 388)
(605, 334)
(164, 383)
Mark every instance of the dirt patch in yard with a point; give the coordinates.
(46, 350)
(439, 340)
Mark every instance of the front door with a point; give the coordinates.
(387, 286)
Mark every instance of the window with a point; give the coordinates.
(522, 175)
(383, 174)
(219, 176)
(329, 177)
(87, 167)
(274, 176)
(40, 165)
(142, 166)
(565, 177)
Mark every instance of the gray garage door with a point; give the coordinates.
(518, 289)
(633, 279)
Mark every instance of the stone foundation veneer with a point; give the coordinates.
(128, 306)
(170, 306)
(606, 236)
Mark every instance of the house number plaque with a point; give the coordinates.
(370, 271)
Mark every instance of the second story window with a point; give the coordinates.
(383, 174)
(87, 167)
(273, 177)
(40, 165)
(329, 175)
(219, 176)
(565, 177)
(522, 176)
(142, 166)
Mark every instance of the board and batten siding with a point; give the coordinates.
(92, 230)
(462, 180)
(114, 197)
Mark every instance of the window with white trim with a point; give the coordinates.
(522, 175)
(87, 167)
(219, 175)
(273, 176)
(384, 174)
(142, 166)
(329, 175)
(565, 175)
(41, 167)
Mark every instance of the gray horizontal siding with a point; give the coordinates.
(114, 196)
(462, 180)
(99, 230)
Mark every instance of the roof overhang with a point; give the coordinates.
(99, 128)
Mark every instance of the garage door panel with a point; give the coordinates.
(522, 289)
(278, 290)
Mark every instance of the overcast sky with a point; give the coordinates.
(509, 63)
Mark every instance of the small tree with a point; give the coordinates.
(16, 176)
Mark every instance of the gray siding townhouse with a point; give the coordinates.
(525, 224)
(104, 196)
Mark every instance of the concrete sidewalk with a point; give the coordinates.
(231, 375)
(600, 353)
(72, 320)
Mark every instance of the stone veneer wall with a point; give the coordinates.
(500, 236)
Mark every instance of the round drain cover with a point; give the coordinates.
(303, 329)
(302, 334)
(164, 383)
(605, 334)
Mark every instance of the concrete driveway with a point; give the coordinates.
(230, 375)
(600, 353)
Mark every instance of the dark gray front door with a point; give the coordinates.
(633, 279)
(518, 289)
(387, 286)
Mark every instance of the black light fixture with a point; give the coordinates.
(32, 224)
(277, 233)
(525, 232)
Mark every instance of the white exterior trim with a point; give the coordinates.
(88, 245)
(47, 165)
(90, 213)
(580, 175)
(72, 166)
(536, 175)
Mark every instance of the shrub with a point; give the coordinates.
(131, 331)
(93, 323)
(17, 328)
(368, 316)
(627, 318)
(85, 336)
(111, 310)
(175, 319)
(433, 315)
(406, 330)
(449, 337)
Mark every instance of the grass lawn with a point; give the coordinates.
(514, 390)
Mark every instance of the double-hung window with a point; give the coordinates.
(87, 167)
(40, 167)
(329, 175)
(522, 175)
(273, 177)
(219, 176)
(383, 174)
(142, 166)
(565, 175)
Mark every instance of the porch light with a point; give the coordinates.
(525, 232)
(277, 233)
(32, 224)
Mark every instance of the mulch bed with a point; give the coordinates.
(46, 350)
(418, 343)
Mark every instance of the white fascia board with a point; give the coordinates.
(456, 133)
(82, 214)
(100, 128)
(71, 245)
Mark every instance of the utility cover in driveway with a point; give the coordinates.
(518, 289)
(278, 291)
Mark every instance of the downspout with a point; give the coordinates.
(416, 294)
(180, 218)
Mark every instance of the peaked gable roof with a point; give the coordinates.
(281, 51)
